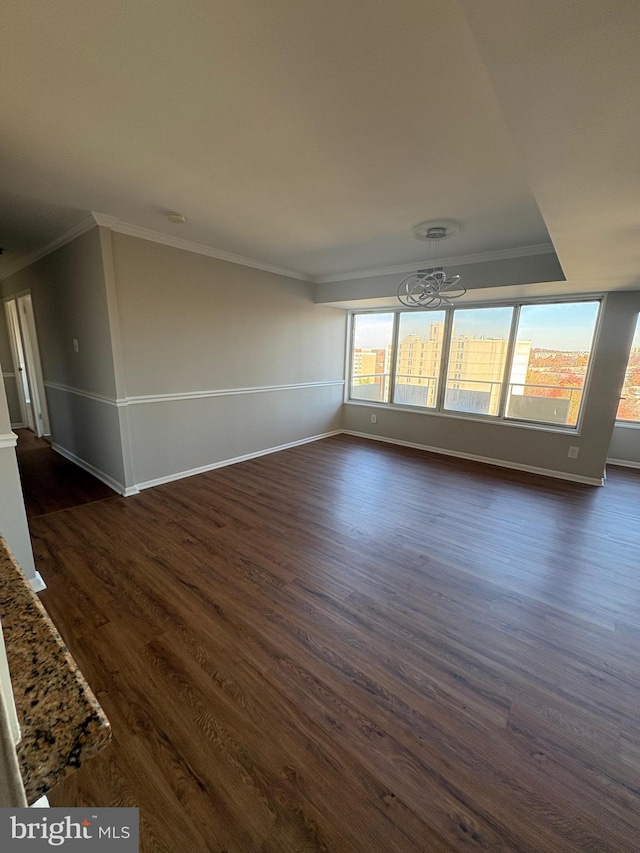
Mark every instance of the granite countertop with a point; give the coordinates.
(61, 720)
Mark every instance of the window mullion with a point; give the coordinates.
(444, 359)
(349, 356)
(508, 364)
(393, 355)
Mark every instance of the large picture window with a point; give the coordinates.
(370, 357)
(418, 358)
(553, 346)
(521, 362)
(629, 408)
(477, 360)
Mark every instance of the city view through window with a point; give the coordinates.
(545, 355)
(629, 408)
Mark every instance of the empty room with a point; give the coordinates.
(320, 426)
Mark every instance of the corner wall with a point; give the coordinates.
(70, 302)
(220, 361)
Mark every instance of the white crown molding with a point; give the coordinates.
(8, 439)
(104, 220)
(478, 258)
(117, 225)
(25, 260)
(121, 227)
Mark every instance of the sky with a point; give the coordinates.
(560, 326)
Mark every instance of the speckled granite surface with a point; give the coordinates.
(62, 723)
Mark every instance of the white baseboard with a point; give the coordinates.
(148, 484)
(623, 463)
(97, 473)
(18, 426)
(488, 460)
(37, 583)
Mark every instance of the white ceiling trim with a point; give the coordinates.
(121, 227)
(479, 257)
(116, 224)
(25, 260)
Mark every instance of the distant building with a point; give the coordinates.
(372, 366)
(475, 370)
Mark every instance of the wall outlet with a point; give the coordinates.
(374, 419)
(76, 347)
(573, 452)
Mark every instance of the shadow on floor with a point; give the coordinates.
(50, 482)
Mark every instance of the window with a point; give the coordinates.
(417, 366)
(520, 362)
(629, 408)
(552, 350)
(372, 336)
(479, 342)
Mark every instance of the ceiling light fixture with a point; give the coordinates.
(178, 218)
(432, 287)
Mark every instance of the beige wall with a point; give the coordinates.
(484, 277)
(192, 324)
(153, 320)
(625, 445)
(518, 445)
(70, 302)
(185, 435)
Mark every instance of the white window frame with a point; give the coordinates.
(620, 422)
(439, 410)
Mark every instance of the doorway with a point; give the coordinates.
(26, 359)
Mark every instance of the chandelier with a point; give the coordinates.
(430, 288)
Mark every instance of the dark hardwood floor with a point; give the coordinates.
(348, 646)
(49, 481)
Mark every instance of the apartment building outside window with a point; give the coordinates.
(520, 362)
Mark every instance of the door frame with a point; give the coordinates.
(27, 365)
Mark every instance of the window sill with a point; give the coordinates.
(625, 424)
(460, 416)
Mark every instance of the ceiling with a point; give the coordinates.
(313, 136)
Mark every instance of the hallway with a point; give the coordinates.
(50, 482)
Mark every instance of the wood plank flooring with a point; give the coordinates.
(348, 646)
(49, 481)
